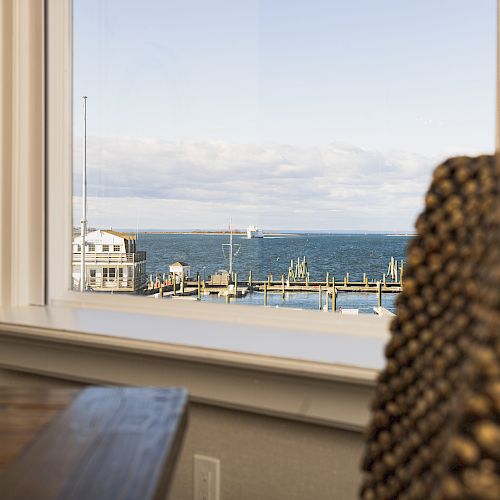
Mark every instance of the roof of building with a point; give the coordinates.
(126, 236)
(179, 263)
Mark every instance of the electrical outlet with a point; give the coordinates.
(206, 478)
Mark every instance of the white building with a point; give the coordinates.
(112, 262)
(180, 269)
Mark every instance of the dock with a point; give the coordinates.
(231, 286)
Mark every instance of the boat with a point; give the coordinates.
(254, 232)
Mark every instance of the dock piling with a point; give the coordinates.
(265, 294)
(379, 294)
(334, 299)
(320, 298)
(250, 279)
(235, 285)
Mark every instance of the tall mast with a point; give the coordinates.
(230, 249)
(83, 222)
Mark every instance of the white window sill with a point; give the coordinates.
(323, 375)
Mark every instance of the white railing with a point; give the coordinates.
(110, 257)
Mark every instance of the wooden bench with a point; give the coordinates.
(92, 443)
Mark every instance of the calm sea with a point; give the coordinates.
(333, 253)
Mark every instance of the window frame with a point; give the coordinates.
(59, 216)
(59, 234)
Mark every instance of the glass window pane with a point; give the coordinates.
(307, 129)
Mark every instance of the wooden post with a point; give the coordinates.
(250, 279)
(327, 299)
(320, 298)
(379, 294)
(283, 287)
(345, 280)
(334, 299)
(364, 278)
(182, 284)
(161, 291)
(327, 279)
(199, 287)
(235, 285)
(265, 294)
(174, 283)
(227, 294)
(347, 277)
(396, 272)
(401, 271)
(384, 278)
(269, 279)
(307, 279)
(333, 281)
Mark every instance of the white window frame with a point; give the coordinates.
(59, 235)
(41, 322)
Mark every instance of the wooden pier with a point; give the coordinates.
(297, 281)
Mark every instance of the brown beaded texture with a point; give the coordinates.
(435, 426)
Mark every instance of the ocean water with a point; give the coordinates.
(333, 253)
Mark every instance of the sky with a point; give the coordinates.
(293, 115)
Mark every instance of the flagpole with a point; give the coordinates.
(230, 250)
(83, 222)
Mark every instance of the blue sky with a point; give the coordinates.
(201, 110)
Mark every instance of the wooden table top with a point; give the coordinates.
(91, 443)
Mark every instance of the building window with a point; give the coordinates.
(116, 248)
(104, 272)
(91, 247)
(79, 248)
(120, 272)
(92, 273)
(105, 248)
(112, 272)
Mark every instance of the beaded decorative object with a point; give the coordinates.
(435, 426)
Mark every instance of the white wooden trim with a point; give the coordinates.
(59, 146)
(22, 182)
(6, 57)
(325, 393)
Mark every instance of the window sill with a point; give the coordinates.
(278, 369)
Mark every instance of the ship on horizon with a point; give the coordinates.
(254, 232)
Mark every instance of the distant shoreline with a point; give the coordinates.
(220, 233)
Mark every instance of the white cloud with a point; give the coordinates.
(162, 184)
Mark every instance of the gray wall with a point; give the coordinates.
(263, 458)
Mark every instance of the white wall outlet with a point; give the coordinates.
(206, 478)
